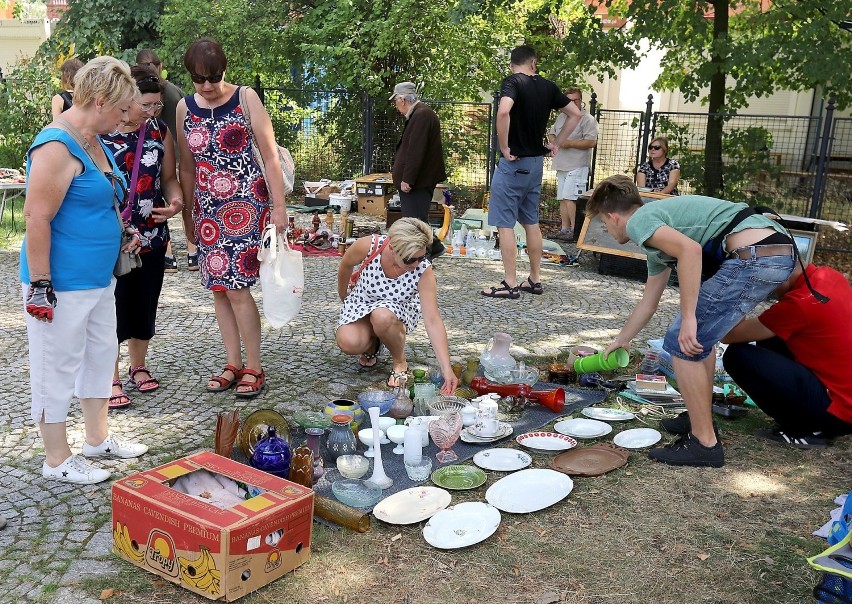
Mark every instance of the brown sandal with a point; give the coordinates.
(254, 387)
(225, 383)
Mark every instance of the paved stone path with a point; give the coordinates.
(58, 534)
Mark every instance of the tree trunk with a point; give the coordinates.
(713, 137)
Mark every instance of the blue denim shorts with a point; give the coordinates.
(515, 191)
(729, 296)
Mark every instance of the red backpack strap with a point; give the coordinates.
(374, 242)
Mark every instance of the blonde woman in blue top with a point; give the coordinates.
(72, 242)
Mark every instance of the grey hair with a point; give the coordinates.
(410, 98)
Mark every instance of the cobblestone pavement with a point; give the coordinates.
(59, 534)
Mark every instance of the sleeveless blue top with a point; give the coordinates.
(84, 234)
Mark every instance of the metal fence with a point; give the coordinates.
(796, 164)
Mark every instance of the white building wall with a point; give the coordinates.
(20, 39)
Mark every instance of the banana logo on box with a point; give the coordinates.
(123, 545)
(201, 573)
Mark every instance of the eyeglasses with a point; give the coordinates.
(577, 100)
(414, 260)
(654, 147)
(213, 79)
(150, 106)
(119, 189)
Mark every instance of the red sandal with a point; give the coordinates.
(225, 383)
(120, 400)
(254, 387)
(147, 385)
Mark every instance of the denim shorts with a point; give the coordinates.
(515, 194)
(729, 296)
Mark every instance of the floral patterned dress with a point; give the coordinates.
(149, 189)
(231, 204)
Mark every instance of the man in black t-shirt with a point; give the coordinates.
(526, 100)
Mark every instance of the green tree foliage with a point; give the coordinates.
(106, 27)
(24, 108)
(725, 51)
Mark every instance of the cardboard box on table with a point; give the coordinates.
(320, 197)
(220, 554)
(374, 191)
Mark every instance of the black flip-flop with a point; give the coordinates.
(512, 292)
(532, 288)
(369, 357)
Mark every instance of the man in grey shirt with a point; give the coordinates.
(572, 162)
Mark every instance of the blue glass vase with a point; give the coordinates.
(272, 455)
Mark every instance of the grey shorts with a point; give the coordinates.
(515, 191)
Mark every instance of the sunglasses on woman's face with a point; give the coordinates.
(414, 260)
(654, 147)
(119, 189)
(200, 79)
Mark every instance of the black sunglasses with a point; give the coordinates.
(416, 259)
(213, 79)
(119, 189)
(654, 147)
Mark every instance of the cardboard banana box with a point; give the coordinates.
(218, 553)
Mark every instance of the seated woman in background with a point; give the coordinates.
(386, 301)
(660, 173)
(63, 101)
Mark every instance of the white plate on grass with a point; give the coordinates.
(638, 438)
(412, 505)
(583, 428)
(608, 414)
(546, 442)
(529, 490)
(461, 525)
(502, 460)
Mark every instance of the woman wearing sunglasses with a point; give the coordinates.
(232, 203)
(659, 173)
(395, 287)
(144, 151)
(67, 259)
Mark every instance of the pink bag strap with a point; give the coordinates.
(134, 177)
(373, 243)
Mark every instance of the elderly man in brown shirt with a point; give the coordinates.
(418, 164)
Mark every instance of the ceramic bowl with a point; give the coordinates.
(352, 466)
(356, 493)
(383, 399)
(365, 435)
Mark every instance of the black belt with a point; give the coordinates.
(748, 252)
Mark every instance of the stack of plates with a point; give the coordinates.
(469, 435)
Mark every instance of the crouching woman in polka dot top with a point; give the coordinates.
(396, 286)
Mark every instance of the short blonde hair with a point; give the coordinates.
(409, 236)
(104, 78)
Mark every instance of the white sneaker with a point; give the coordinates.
(75, 469)
(114, 447)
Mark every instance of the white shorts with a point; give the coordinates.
(571, 184)
(73, 355)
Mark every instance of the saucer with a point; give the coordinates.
(504, 431)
